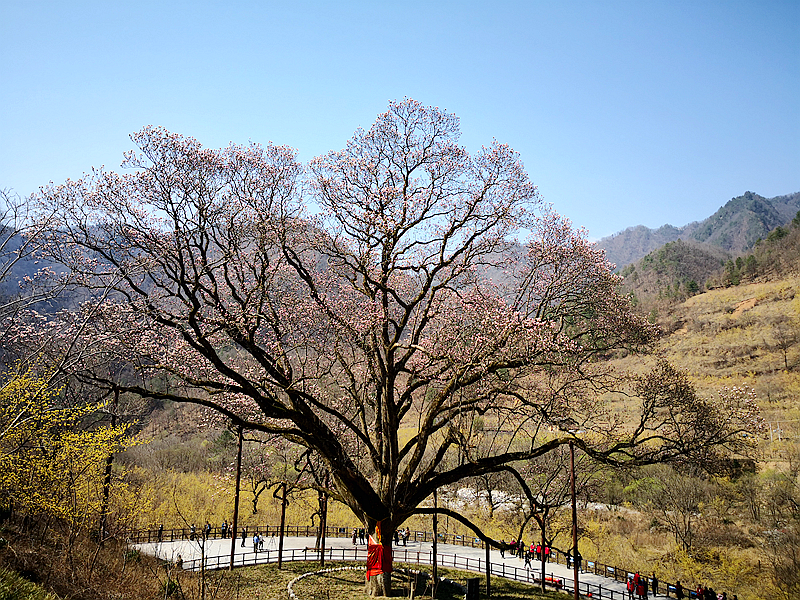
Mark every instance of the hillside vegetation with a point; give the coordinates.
(734, 228)
(679, 270)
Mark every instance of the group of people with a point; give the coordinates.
(359, 536)
(258, 542)
(707, 593)
(518, 549)
(225, 531)
(638, 585)
(207, 529)
(401, 535)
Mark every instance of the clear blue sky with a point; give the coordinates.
(625, 113)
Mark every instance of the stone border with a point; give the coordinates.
(296, 579)
(293, 596)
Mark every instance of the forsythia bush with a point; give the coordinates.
(49, 464)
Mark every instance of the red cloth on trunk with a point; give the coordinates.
(379, 559)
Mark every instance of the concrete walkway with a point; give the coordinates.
(217, 552)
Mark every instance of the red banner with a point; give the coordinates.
(379, 559)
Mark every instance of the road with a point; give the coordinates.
(217, 552)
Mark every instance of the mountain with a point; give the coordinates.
(678, 268)
(681, 269)
(734, 228)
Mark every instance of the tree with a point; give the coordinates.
(782, 509)
(48, 457)
(679, 498)
(267, 463)
(731, 275)
(546, 486)
(785, 337)
(50, 464)
(25, 282)
(372, 332)
(751, 266)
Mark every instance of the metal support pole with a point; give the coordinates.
(435, 540)
(324, 524)
(574, 519)
(488, 573)
(283, 524)
(235, 524)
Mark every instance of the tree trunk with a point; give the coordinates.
(235, 526)
(101, 533)
(379, 567)
(544, 563)
(107, 480)
(379, 585)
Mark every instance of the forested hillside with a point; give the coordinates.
(734, 228)
(681, 269)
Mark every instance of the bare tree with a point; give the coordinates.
(679, 499)
(785, 337)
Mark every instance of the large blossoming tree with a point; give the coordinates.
(369, 307)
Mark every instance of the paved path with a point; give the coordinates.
(222, 548)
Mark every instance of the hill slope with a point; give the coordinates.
(734, 228)
(681, 269)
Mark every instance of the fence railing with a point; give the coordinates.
(402, 555)
(359, 552)
(142, 536)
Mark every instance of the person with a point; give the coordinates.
(160, 532)
(569, 558)
(578, 559)
(179, 562)
(224, 529)
(406, 535)
(355, 535)
(208, 530)
(630, 588)
(502, 548)
(546, 553)
(361, 535)
(638, 584)
(244, 535)
(527, 560)
(538, 552)
(679, 590)
(261, 542)
(654, 584)
(396, 538)
(255, 543)
(192, 532)
(520, 549)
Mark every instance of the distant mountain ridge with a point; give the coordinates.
(734, 228)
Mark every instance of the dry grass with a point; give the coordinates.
(268, 583)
